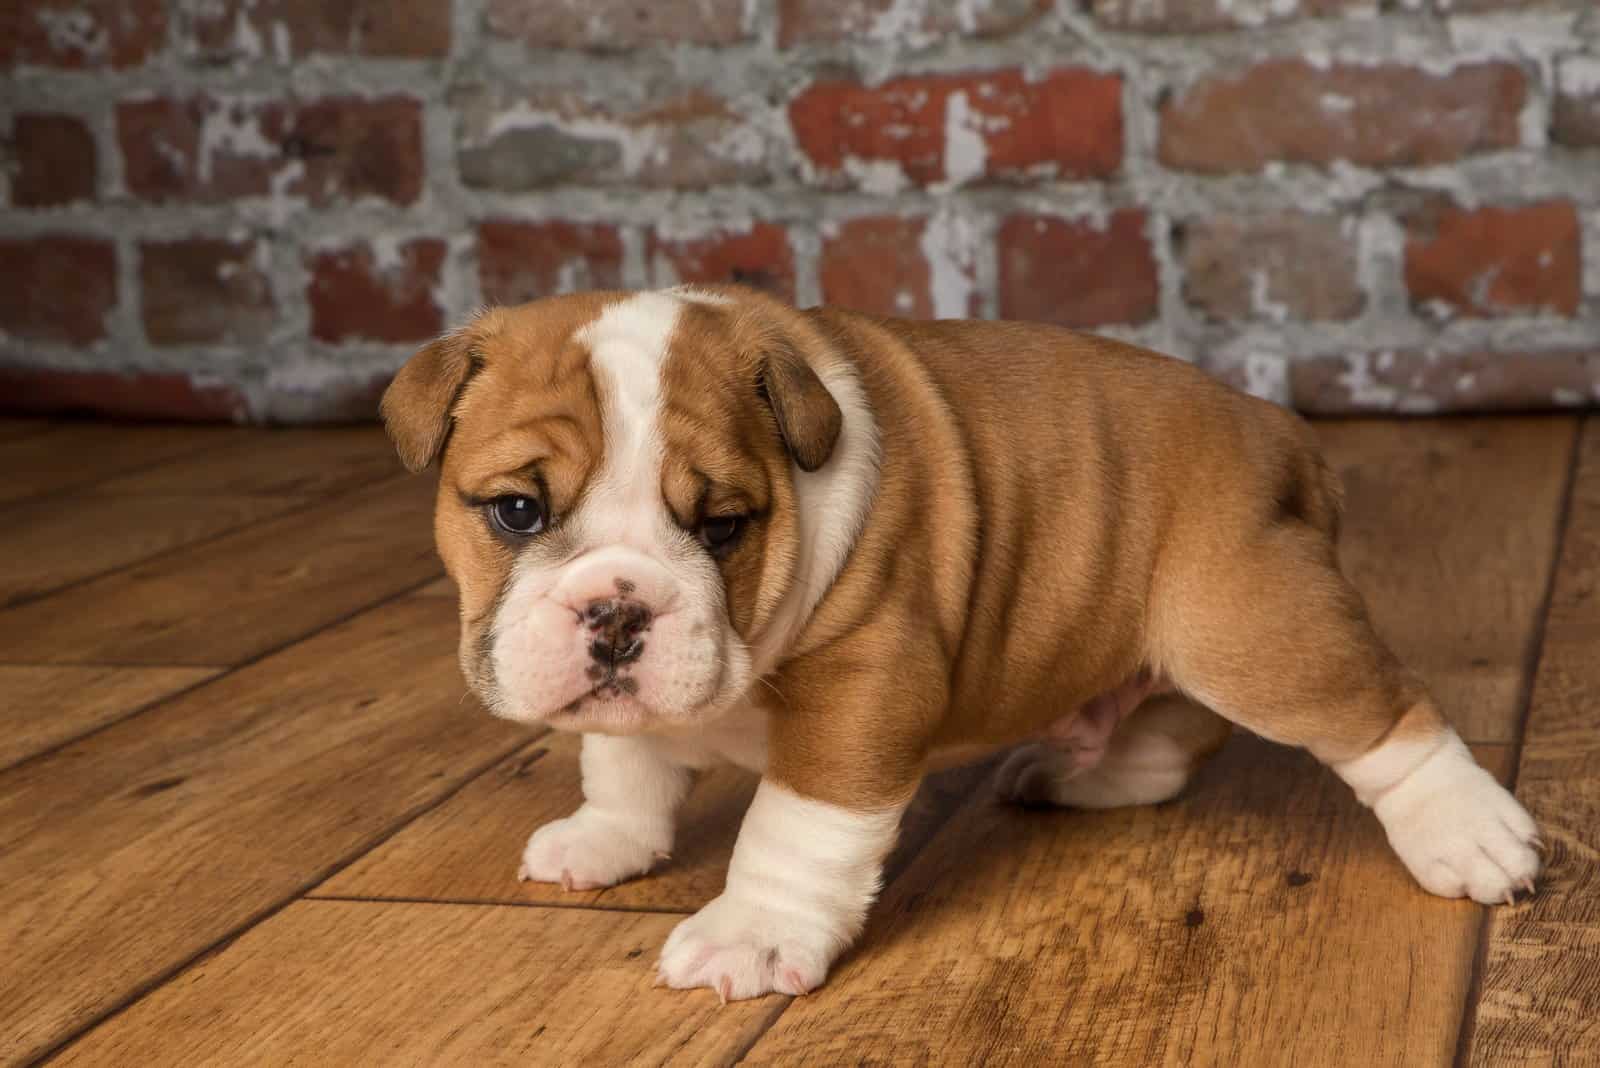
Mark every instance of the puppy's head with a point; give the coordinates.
(617, 500)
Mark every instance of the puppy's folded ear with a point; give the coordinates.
(416, 407)
(808, 417)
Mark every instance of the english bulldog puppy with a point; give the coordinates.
(700, 525)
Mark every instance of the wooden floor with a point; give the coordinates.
(248, 816)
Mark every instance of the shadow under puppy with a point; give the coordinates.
(699, 525)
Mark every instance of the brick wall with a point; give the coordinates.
(257, 208)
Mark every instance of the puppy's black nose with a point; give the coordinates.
(616, 625)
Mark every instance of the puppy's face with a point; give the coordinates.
(616, 500)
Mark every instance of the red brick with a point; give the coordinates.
(617, 25)
(1575, 114)
(1198, 16)
(57, 289)
(210, 148)
(285, 30)
(354, 296)
(81, 33)
(1380, 116)
(1411, 381)
(878, 265)
(56, 161)
(1496, 261)
(1076, 273)
(204, 291)
(694, 140)
(1068, 124)
(758, 257)
(519, 262)
(127, 395)
(1279, 267)
(801, 21)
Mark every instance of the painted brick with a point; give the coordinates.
(759, 257)
(1412, 381)
(1275, 267)
(1077, 273)
(1193, 16)
(57, 289)
(521, 261)
(360, 293)
(329, 150)
(1379, 116)
(521, 143)
(617, 25)
(880, 265)
(1495, 261)
(926, 129)
(900, 22)
(81, 34)
(130, 395)
(205, 291)
(1575, 113)
(56, 161)
(286, 30)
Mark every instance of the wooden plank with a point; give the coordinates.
(1450, 533)
(45, 706)
(468, 848)
(78, 454)
(241, 594)
(1540, 1000)
(125, 854)
(310, 462)
(1259, 919)
(444, 587)
(13, 427)
(331, 982)
(50, 543)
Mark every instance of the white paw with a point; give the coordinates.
(740, 951)
(1459, 831)
(587, 851)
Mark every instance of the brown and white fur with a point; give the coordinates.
(950, 538)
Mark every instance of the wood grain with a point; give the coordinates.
(333, 982)
(45, 706)
(19, 428)
(444, 587)
(1540, 998)
(70, 455)
(1260, 919)
(127, 853)
(305, 463)
(240, 594)
(1450, 533)
(46, 544)
(468, 848)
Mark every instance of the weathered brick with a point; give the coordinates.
(617, 25)
(57, 289)
(1388, 115)
(285, 30)
(926, 129)
(1575, 114)
(881, 265)
(897, 21)
(521, 261)
(55, 161)
(1278, 267)
(205, 291)
(1077, 273)
(377, 293)
(327, 150)
(81, 33)
(1195, 16)
(1495, 261)
(128, 395)
(1411, 381)
(759, 257)
(520, 143)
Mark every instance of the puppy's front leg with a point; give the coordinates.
(631, 794)
(803, 875)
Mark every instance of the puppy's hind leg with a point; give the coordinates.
(1150, 757)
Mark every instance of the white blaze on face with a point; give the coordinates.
(630, 555)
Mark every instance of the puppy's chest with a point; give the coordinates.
(740, 739)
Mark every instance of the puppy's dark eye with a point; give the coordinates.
(720, 533)
(517, 515)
